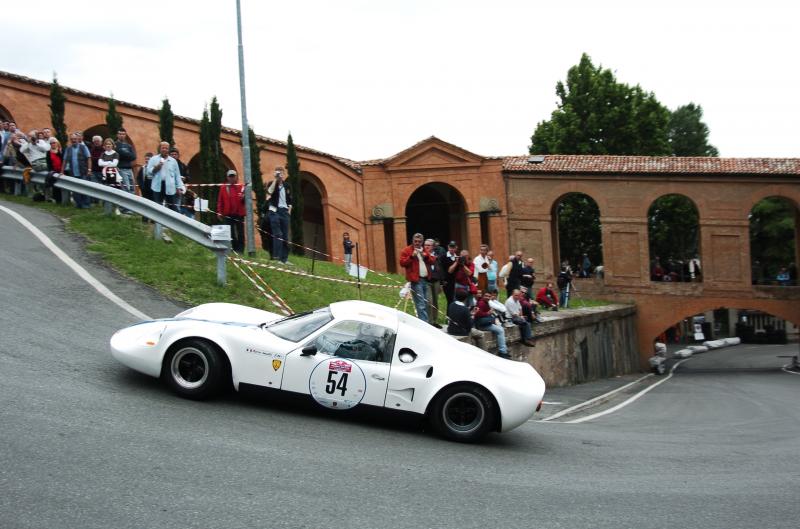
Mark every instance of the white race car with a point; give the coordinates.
(352, 353)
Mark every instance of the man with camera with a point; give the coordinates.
(279, 205)
(445, 262)
(513, 273)
(416, 260)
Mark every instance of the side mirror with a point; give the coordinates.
(406, 355)
(309, 350)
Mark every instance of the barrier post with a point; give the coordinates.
(358, 271)
(222, 257)
(157, 231)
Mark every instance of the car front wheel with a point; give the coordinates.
(464, 412)
(194, 369)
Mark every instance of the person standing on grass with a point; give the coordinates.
(166, 184)
(348, 251)
(279, 201)
(230, 209)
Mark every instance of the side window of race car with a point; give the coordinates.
(358, 341)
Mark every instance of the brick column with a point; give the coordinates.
(473, 232)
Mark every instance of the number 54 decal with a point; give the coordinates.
(332, 386)
(337, 383)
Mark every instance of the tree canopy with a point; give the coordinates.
(772, 237)
(673, 228)
(597, 114)
(579, 229)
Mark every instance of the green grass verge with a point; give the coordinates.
(185, 271)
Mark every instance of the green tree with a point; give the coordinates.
(596, 114)
(113, 118)
(205, 177)
(211, 167)
(257, 177)
(293, 176)
(772, 237)
(673, 229)
(57, 103)
(579, 229)
(688, 135)
(166, 122)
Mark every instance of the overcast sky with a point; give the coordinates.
(366, 79)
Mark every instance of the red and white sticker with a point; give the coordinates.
(337, 384)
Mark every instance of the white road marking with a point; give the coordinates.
(78, 269)
(629, 401)
(786, 368)
(592, 401)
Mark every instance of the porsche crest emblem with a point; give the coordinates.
(276, 364)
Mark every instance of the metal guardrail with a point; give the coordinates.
(162, 216)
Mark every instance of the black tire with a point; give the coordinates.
(464, 413)
(194, 369)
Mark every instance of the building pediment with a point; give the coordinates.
(432, 153)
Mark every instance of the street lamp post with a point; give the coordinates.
(248, 177)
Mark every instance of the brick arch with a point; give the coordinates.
(659, 191)
(316, 220)
(658, 313)
(5, 115)
(468, 206)
(555, 235)
(449, 224)
(557, 193)
(792, 195)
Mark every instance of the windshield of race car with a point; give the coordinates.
(298, 326)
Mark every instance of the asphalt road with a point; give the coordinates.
(86, 443)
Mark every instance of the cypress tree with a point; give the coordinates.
(256, 175)
(57, 100)
(166, 122)
(296, 220)
(205, 176)
(113, 118)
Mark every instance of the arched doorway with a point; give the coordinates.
(5, 115)
(103, 131)
(773, 242)
(313, 214)
(198, 176)
(577, 237)
(673, 230)
(437, 210)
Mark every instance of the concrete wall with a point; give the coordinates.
(571, 348)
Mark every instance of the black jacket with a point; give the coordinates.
(460, 320)
(127, 154)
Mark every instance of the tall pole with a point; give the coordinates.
(248, 176)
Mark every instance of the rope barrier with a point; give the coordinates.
(281, 306)
(312, 276)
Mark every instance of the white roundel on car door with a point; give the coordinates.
(337, 383)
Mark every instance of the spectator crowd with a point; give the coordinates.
(471, 287)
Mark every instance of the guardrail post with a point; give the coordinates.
(65, 197)
(157, 231)
(222, 258)
(18, 188)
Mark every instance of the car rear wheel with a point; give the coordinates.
(194, 369)
(464, 412)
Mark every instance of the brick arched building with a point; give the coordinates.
(509, 202)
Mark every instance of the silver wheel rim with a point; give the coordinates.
(463, 412)
(189, 368)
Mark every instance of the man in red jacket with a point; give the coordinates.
(417, 260)
(230, 209)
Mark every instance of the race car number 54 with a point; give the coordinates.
(337, 384)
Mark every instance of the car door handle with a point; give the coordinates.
(378, 377)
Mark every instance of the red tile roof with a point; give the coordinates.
(559, 163)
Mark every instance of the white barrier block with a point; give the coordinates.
(698, 348)
(733, 341)
(682, 353)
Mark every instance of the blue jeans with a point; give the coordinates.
(563, 297)
(524, 328)
(127, 179)
(279, 225)
(419, 290)
(487, 324)
(82, 201)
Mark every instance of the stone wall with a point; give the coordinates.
(574, 347)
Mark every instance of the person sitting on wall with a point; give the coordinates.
(459, 316)
(514, 311)
(485, 321)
